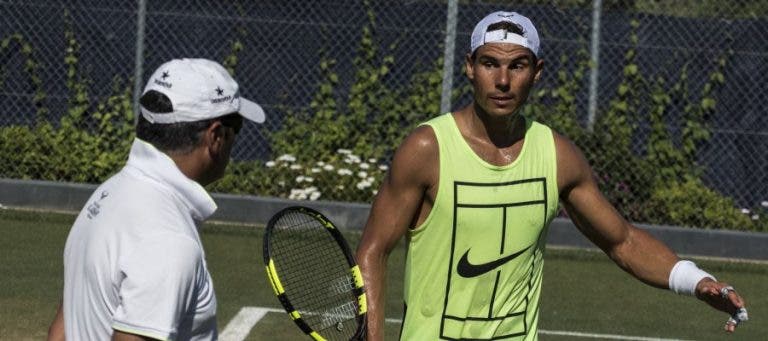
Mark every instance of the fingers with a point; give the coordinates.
(725, 298)
(729, 294)
(730, 327)
(733, 321)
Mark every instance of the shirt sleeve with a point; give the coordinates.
(158, 286)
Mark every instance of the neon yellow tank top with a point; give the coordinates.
(474, 267)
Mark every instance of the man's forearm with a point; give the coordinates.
(375, 290)
(56, 330)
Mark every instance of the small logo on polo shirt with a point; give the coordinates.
(94, 209)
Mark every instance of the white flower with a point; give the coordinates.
(344, 171)
(764, 204)
(314, 196)
(300, 178)
(383, 167)
(270, 164)
(340, 187)
(344, 151)
(375, 191)
(755, 216)
(350, 159)
(281, 183)
(320, 163)
(315, 170)
(295, 167)
(304, 193)
(309, 179)
(328, 167)
(745, 210)
(364, 166)
(363, 185)
(287, 158)
(370, 179)
(371, 160)
(362, 174)
(297, 194)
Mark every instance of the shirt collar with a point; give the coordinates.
(157, 165)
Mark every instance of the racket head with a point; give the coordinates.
(314, 274)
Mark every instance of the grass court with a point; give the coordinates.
(585, 295)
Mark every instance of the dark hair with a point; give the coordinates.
(507, 26)
(503, 25)
(173, 138)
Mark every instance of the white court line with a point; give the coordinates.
(603, 336)
(240, 326)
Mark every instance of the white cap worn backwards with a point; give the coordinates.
(529, 38)
(199, 89)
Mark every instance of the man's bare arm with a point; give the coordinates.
(633, 249)
(56, 330)
(395, 209)
(123, 336)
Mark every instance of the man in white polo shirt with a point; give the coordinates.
(134, 266)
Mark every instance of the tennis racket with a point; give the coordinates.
(314, 275)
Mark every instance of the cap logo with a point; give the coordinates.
(162, 82)
(220, 91)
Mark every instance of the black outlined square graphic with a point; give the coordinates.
(495, 232)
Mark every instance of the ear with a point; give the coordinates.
(539, 67)
(214, 138)
(469, 67)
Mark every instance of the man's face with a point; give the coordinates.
(502, 75)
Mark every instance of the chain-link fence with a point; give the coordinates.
(678, 85)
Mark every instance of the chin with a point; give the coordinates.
(501, 113)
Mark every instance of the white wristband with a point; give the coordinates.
(684, 277)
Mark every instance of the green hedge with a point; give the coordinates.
(338, 148)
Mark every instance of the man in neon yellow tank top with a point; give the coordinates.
(474, 192)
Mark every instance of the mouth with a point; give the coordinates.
(501, 100)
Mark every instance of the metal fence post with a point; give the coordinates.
(139, 62)
(450, 47)
(597, 6)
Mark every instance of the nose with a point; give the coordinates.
(502, 80)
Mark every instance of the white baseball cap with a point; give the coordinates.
(199, 89)
(529, 38)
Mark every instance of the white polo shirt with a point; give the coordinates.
(133, 260)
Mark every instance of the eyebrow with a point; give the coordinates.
(527, 58)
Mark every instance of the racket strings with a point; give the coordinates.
(315, 275)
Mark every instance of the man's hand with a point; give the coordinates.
(723, 297)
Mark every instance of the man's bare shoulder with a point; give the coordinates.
(420, 142)
(563, 145)
(572, 166)
(417, 158)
